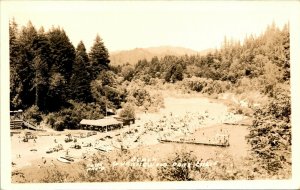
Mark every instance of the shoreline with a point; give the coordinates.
(168, 120)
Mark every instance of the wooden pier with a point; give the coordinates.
(225, 144)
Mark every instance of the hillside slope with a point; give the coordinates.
(134, 55)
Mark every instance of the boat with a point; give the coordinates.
(61, 159)
(76, 146)
(87, 145)
(104, 148)
(69, 158)
(50, 151)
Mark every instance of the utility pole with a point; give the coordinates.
(105, 101)
(105, 108)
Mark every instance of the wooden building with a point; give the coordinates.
(105, 124)
(16, 119)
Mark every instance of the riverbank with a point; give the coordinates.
(190, 117)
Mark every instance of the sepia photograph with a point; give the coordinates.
(163, 94)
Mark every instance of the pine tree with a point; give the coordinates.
(62, 52)
(286, 46)
(41, 64)
(81, 79)
(99, 57)
(25, 69)
(16, 86)
(62, 56)
(29, 68)
(40, 82)
(56, 96)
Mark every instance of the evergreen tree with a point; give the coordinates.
(81, 79)
(25, 69)
(16, 86)
(173, 69)
(286, 49)
(99, 57)
(41, 65)
(62, 52)
(56, 96)
(155, 67)
(62, 57)
(29, 68)
(40, 82)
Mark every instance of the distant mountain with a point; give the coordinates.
(134, 55)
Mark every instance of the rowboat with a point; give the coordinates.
(69, 158)
(104, 148)
(63, 160)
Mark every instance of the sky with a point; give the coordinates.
(197, 25)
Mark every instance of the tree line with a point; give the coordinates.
(265, 57)
(47, 71)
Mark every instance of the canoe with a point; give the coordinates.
(104, 148)
(69, 158)
(63, 160)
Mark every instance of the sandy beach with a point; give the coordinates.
(195, 117)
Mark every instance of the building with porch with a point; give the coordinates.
(103, 125)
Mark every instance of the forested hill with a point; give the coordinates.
(134, 55)
(265, 58)
(48, 75)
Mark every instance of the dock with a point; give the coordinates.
(195, 142)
